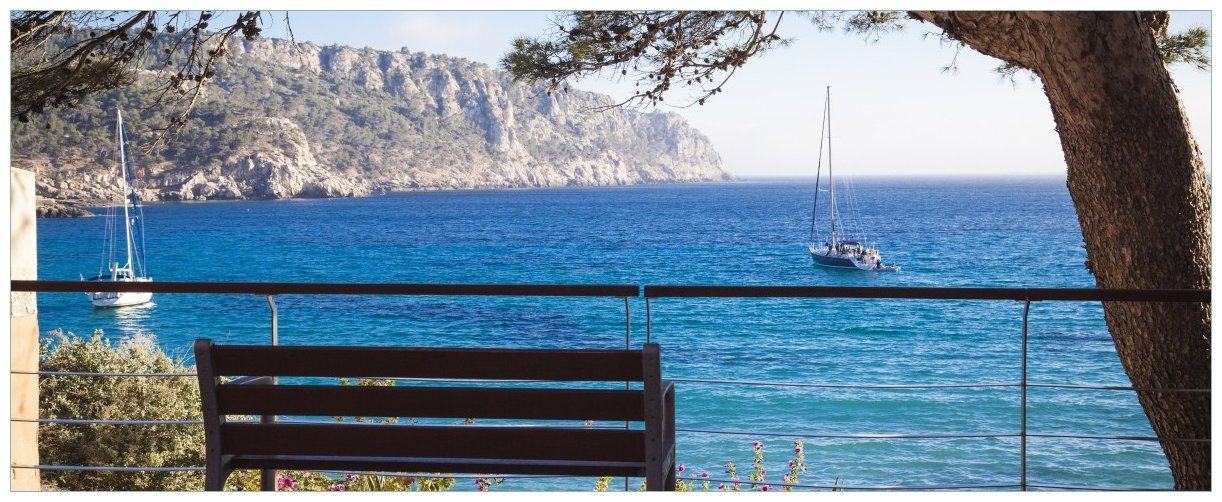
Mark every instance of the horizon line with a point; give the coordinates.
(746, 177)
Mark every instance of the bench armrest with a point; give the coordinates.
(668, 419)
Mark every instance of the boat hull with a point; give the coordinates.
(833, 261)
(124, 299)
(107, 299)
(827, 258)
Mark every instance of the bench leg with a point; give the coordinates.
(267, 477)
(660, 475)
(216, 471)
(267, 480)
(214, 479)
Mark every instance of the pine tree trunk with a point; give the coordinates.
(1139, 186)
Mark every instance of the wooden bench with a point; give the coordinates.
(349, 446)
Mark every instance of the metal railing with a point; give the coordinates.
(651, 294)
(269, 290)
(1025, 295)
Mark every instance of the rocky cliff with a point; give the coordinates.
(289, 120)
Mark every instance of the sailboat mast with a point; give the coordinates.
(127, 222)
(814, 208)
(831, 181)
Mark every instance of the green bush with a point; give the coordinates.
(117, 398)
(151, 398)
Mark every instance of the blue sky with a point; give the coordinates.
(894, 109)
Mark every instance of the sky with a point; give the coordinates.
(895, 110)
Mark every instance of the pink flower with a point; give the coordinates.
(767, 487)
(681, 468)
(721, 486)
(285, 483)
(704, 474)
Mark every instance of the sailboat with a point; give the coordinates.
(842, 248)
(133, 270)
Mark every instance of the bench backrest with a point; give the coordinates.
(221, 398)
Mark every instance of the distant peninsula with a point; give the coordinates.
(288, 120)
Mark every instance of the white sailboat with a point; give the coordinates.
(841, 249)
(133, 270)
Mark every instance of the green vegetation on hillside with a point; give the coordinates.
(381, 119)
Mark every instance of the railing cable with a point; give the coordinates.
(1090, 489)
(90, 421)
(763, 383)
(694, 380)
(100, 374)
(1110, 387)
(806, 435)
(811, 435)
(760, 484)
(117, 468)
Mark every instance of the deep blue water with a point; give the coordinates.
(943, 232)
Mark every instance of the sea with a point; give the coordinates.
(961, 359)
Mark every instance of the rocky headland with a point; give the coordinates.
(285, 120)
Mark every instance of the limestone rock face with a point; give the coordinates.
(286, 120)
(275, 164)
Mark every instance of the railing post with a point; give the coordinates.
(627, 325)
(23, 335)
(271, 304)
(267, 477)
(1023, 434)
(648, 322)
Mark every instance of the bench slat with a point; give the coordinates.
(372, 440)
(404, 362)
(437, 402)
(445, 465)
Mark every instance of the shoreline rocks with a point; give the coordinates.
(72, 209)
(50, 208)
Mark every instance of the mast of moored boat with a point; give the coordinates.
(830, 180)
(814, 208)
(127, 222)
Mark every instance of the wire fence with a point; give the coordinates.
(651, 293)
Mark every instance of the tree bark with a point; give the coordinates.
(1138, 184)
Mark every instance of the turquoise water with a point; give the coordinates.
(943, 232)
